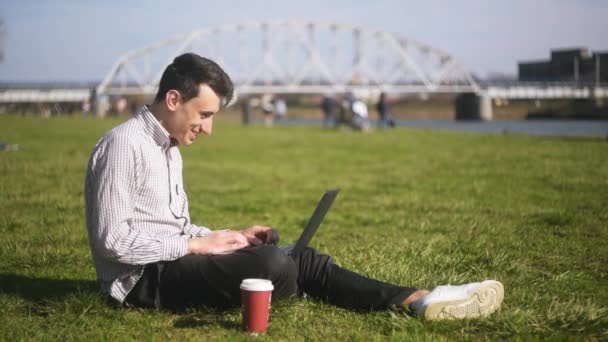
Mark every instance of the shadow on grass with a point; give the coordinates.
(210, 319)
(43, 289)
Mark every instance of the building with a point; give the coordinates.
(567, 65)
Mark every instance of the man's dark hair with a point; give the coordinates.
(188, 72)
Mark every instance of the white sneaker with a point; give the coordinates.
(457, 302)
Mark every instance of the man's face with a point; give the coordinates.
(193, 117)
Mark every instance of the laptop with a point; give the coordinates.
(313, 224)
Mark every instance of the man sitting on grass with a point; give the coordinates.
(147, 252)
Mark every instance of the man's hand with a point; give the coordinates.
(259, 235)
(218, 242)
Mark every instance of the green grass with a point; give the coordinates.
(417, 207)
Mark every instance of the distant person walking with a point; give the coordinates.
(280, 109)
(328, 107)
(384, 114)
(360, 119)
(267, 109)
(346, 110)
(246, 111)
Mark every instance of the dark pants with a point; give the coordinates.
(213, 281)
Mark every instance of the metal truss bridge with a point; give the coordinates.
(291, 56)
(297, 56)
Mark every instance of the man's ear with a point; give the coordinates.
(172, 99)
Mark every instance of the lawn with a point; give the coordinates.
(417, 207)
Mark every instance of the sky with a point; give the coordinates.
(79, 40)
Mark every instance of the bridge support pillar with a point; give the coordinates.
(471, 106)
(598, 99)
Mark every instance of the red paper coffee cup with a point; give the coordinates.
(255, 297)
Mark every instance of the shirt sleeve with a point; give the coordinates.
(196, 231)
(113, 184)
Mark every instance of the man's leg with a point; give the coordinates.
(213, 280)
(320, 278)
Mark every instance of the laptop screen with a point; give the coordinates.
(316, 219)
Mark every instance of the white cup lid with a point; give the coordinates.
(253, 284)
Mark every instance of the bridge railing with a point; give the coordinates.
(516, 83)
(545, 90)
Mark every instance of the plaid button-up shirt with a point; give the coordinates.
(136, 206)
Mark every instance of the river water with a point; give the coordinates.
(528, 127)
(547, 127)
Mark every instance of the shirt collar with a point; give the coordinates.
(153, 127)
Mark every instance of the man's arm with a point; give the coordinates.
(218, 242)
(227, 241)
(196, 231)
(111, 187)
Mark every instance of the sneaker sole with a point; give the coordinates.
(482, 302)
